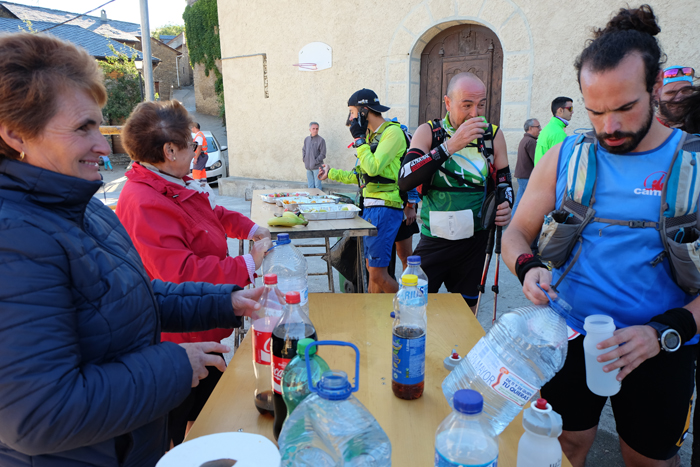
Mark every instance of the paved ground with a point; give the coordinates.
(605, 451)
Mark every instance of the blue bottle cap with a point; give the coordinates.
(334, 386)
(468, 401)
(283, 239)
(414, 260)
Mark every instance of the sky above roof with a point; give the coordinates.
(161, 12)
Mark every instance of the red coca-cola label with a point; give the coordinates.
(262, 342)
(278, 366)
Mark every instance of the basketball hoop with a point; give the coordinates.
(306, 66)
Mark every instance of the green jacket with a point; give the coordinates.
(550, 136)
(384, 162)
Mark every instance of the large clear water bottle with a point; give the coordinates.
(465, 438)
(415, 269)
(331, 427)
(285, 260)
(408, 340)
(523, 350)
(271, 310)
(295, 384)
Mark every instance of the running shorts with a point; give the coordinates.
(456, 263)
(652, 409)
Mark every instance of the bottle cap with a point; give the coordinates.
(542, 404)
(414, 260)
(455, 355)
(270, 279)
(301, 346)
(283, 239)
(409, 280)
(334, 385)
(543, 422)
(468, 401)
(292, 298)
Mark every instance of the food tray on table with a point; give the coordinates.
(332, 211)
(294, 201)
(273, 197)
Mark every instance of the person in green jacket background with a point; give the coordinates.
(380, 145)
(553, 133)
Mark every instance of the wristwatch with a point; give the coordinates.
(359, 142)
(669, 338)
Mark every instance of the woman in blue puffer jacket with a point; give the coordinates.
(84, 378)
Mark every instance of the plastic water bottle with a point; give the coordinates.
(295, 385)
(465, 438)
(523, 350)
(294, 326)
(271, 309)
(599, 328)
(408, 340)
(539, 445)
(285, 260)
(331, 427)
(415, 269)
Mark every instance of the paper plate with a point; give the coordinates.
(247, 449)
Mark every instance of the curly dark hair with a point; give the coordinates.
(631, 30)
(689, 111)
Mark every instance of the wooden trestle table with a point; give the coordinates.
(364, 320)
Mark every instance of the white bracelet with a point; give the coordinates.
(444, 148)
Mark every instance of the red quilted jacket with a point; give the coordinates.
(180, 238)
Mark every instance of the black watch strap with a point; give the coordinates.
(669, 338)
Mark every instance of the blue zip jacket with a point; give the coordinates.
(84, 378)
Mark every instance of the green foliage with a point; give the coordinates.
(202, 33)
(168, 30)
(123, 86)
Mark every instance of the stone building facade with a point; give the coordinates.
(165, 74)
(204, 90)
(384, 46)
(184, 69)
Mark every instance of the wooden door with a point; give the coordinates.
(468, 47)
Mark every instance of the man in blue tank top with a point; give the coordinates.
(618, 73)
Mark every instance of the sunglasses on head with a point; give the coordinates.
(678, 72)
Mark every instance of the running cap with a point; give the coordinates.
(367, 98)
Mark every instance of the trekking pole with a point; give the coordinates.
(500, 198)
(485, 272)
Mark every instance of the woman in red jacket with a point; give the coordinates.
(178, 230)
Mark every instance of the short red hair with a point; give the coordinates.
(153, 124)
(34, 70)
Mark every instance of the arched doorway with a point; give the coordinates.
(467, 47)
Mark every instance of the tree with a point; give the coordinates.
(123, 85)
(168, 30)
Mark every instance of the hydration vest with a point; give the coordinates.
(485, 146)
(677, 224)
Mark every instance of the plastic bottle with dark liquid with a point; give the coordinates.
(294, 326)
(271, 309)
(408, 340)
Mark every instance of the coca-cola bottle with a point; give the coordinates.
(294, 326)
(271, 309)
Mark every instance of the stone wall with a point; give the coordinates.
(540, 41)
(204, 91)
(166, 71)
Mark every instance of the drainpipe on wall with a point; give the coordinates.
(177, 69)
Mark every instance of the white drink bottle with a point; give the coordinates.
(599, 328)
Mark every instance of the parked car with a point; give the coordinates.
(216, 165)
